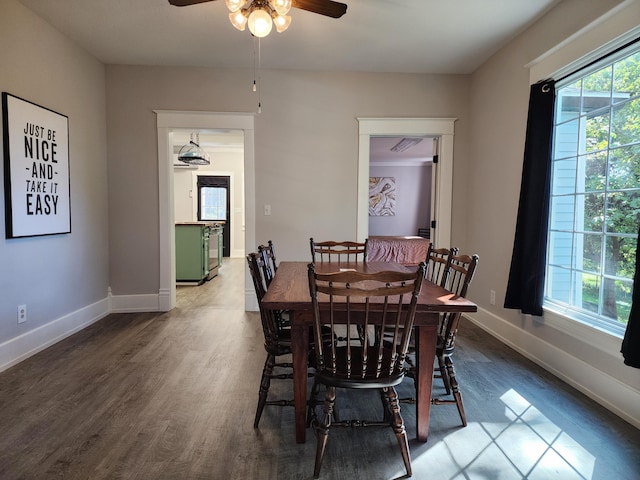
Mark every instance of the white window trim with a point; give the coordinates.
(611, 31)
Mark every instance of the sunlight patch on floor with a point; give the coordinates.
(527, 445)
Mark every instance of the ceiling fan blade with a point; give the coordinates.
(328, 8)
(184, 3)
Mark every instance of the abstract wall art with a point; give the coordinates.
(382, 196)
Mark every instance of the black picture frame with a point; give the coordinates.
(37, 186)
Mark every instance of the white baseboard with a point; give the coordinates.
(137, 303)
(251, 301)
(164, 300)
(609, 392)
(20, 348)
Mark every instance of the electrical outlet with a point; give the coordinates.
(22, 313)
(492, 297)
(267, 209)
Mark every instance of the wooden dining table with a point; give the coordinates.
(289, 291)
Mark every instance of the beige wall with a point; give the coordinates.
(306, 144)
(499, 101)
(55, 276)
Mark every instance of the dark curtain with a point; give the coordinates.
(631, 342)
(525, 290)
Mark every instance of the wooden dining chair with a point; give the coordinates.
(350, 297)
(461, 269)
(332, 251)
(277, 340)
(437, 272)
(345, 251)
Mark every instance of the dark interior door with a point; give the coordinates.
(214, 205)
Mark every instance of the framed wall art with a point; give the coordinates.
(36, 169)
(382, 196)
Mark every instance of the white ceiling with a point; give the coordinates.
(412, 36)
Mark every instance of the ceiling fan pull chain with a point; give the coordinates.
(254, 64)
(259, 66)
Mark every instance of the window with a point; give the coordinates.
(213, 198)
(595, 193)
(213, 203)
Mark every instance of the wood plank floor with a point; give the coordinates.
(172, 396)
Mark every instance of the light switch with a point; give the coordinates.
(267, 209)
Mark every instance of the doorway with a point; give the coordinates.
(405, 164)
(166, 122)
(442, 191)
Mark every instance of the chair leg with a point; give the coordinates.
(386, 411)
(443, 373)
(311, 404)
(265, 382)
(457, 396)
(322, 428)
(397, 423)
(456, 391)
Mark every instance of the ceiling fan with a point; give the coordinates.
(328, 8)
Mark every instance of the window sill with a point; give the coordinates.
(606, 341)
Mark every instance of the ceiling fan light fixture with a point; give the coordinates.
(281, 6)
(267, 12)
(260, 23)
(260, 15)
(238, 20)
(235, 5)
(282, 22)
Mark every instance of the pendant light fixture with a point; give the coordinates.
(192, 154)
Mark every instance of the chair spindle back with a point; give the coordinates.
(363, 299)
(437, 259)
(332, 251)
(269, 263)
(270, 325)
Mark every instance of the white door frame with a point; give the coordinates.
(442, 178)
(167, 121)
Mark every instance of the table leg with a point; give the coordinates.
(425, 353)
(300, 350)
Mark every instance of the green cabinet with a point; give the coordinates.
(192, 252)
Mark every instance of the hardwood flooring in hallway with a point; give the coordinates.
(172, 396)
